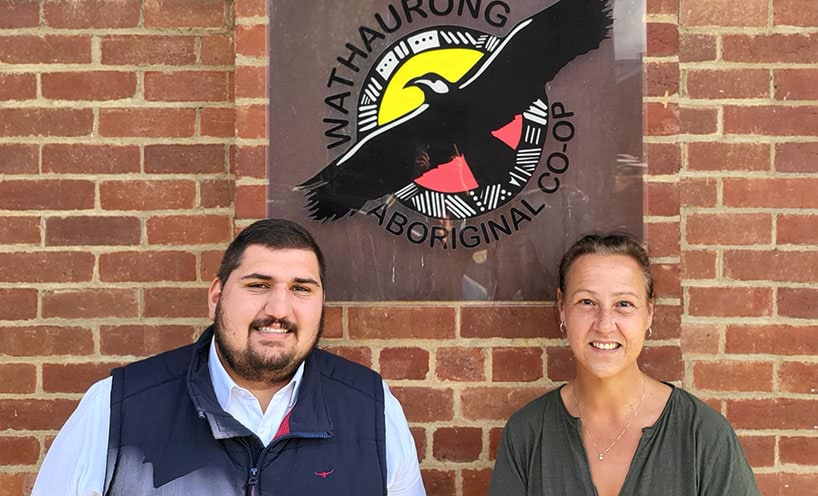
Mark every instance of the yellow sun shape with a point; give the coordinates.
(450, 63)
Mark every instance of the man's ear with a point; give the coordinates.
(213, 295)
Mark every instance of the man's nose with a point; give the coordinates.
(278, 303)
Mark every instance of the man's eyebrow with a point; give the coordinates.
(256, 275)
(306, 280)
(265, 277)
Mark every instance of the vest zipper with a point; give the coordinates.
(251, 482)
(252, 479)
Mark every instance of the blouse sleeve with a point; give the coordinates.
(723, 467)
(510, 477)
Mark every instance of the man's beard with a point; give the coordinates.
(254, 366)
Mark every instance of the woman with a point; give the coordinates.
(614, 430)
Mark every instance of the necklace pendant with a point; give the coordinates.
(601, 456)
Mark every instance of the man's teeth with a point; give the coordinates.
(272, 330)
(605, 346)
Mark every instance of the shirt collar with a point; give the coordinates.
(223, 384)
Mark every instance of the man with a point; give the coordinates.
(251, 408)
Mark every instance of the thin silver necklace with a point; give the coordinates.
(602, 453)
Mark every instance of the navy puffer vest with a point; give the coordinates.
(170, 436)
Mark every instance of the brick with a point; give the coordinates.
(663, 7)
(735, 83)
(663, 239)
(18, 87)
(666, 280)
(401, 322)
(760, 450)
(248, 161)
(95, 85)
(728, 229)
(93, 231)
(460, 364)
(147, 195)
(796, 84)
(663, 363)
(516, 364)
(218, 122)
(147, 266)
(786, 484)
(495, 435)
(148, 50)
(714, 156)
(46, 195)
(35, 414)
(438, 482)
(19, 14)
(667, 322)
(662, 199)
(209, 267)
(419, 435)
(217, 193)
(147, 122)
(733, 376)
(795, 377)
(785, 266)
(74, 377)
(17, 378)
(19, 159)
(175, 302)
(217, 50)
(357, 354)
(185, 159)
(560, 363)
(45, 341)
(50, 49)
(19, 230)
(796, 157)
(19, 450)
(187, 86)
(799, 303)
(698, 265)
(798, 450)
(795, 13)
(495, 403)
(730, 302)
(62, 267)
(663, 158)
(251, 82)
(251, 41)
(45, 121)
(83, 14)
(476, 482)
(143, 340)
(404, 363)
(425, 404)
(251, 121)
(90, 303)
(698, 120)
(743, 13)
(90, 159)
(663, 39)
(771, 192)
(700, 339)
(17, 484)
(772, 413)
(250, 202)
(662, 120)
(184, 14)
(457, 444)
(251, 8)
(772, 339)
(774, 48)
(18, 304)
(771, 120)
(697, 47)
(509, 321)
(698, 192)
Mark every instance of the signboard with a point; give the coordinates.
(451, 149)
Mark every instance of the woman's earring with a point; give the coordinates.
(562, 328)
(650, 331)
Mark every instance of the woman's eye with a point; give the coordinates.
(586, 301)
(625, 304)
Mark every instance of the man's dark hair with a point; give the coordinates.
(276, 234)
(610, 243)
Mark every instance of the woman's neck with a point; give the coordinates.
(616, 395)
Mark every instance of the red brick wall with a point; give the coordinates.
(132, 143)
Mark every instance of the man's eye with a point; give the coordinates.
(304, 289)
(257, 285)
